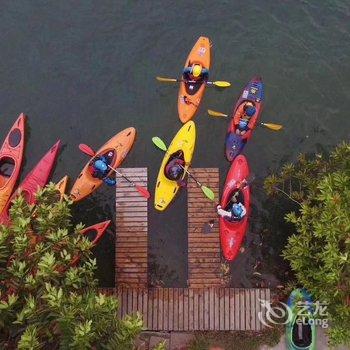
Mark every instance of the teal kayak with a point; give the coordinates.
(301, 330)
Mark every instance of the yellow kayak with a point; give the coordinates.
(182, 147)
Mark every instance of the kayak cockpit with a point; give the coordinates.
(174, 160)
(7, 166)
(302, 334)
(235, 197)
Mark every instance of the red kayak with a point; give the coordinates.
(233, 232)
(11, 158)
(94, 233)
(254, 93)
(34, 181)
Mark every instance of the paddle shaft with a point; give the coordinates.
(123, 176)
(191, 176)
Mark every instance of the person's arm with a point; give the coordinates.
(223, 213)
(109, 181)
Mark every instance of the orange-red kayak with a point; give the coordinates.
(11, 158)
(34, 181)
(120, 145)
(190, 94)
(94, 233)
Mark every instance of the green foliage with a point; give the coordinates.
(45, 299)
(319, 251)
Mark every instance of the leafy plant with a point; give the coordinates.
(46, 301)
(319, 250)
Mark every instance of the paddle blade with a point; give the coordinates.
(170, 80)
(87, 150)
(208, 192)
(143, 191)
(159, 143)
(216, 114)
(222, 84)
(271, 126)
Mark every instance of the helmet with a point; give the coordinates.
(196, 70)
(100, 165)
(237, 210)
(250, 110)
(175, 171)
(242, 125)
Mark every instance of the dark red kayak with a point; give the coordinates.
(11, 158)
(233, 232)
(94, 233)
(34, 181)
(254, 93)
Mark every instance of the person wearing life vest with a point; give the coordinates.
(236, 212)
(174, 169)
(195, 73)
(100, 170)
(243, 119)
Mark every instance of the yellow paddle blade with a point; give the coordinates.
(166, 79)
(216, 114)
(222, 84)
(275, 127)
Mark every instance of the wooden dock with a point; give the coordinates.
(188, 309)
(131, 230)
(204, 256)
(206, 304)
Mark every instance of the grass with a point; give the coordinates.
(236, 340)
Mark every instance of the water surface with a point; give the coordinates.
(83, 70)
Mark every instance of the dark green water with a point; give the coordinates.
(83, 70)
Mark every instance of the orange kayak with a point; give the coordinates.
(190, 94)
(62, 185)
(11, 157)
(120, 145)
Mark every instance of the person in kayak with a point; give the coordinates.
(236, 212)
(195, 73)
(100, 169)
(174, 169)
(243, 122)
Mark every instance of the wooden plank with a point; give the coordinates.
(237, 310)
(155, 309)
(181, 309)
(191, 309)
(176, 309)
(196, 310)
(247, 309)
(160, 308)
(150, 309)
(145, 307)
(165, 309)
(186, 309)
(171, 310)
(242, 309)
(221, 309)
(200, 309)
(227, 308)
(216, 309)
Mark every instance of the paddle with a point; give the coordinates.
(90, 152)
(206, 190)
(218, 83)
(271, 126)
